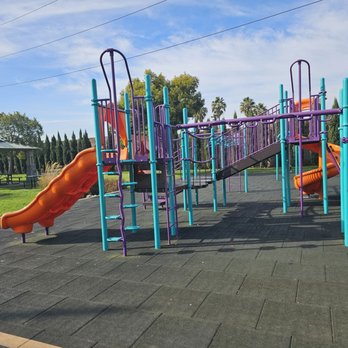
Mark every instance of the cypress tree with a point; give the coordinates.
(2, 166)
(66, 150)
(40, 154)
(47, 150)
(53, 154)
(73, 146)
(333, 125)
(86, 143)
(80, 142)
(59, 150)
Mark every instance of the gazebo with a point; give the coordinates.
(6, 147)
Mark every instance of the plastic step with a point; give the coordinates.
(132, 228)
(109, 150)
(114, 239)
(129, 206)
(113, 217)
(112, 195)
(130, 183)
(128, 161)
(111, 173)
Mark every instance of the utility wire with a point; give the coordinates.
(166, 47)
(27, 13)
(81, 31)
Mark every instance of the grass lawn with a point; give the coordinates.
(15, 197)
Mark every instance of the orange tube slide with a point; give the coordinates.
(312, 179)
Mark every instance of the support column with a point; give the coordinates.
(324, 145)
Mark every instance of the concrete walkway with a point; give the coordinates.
(246, 276)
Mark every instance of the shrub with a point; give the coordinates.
(51, 171)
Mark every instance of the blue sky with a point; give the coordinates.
(250, 61)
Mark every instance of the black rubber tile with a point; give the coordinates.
(324, 258)
(117, 327)
(84, 287)
(340, 325)
(8, 293)
(337, 274)
(34, 261)
(11, 257)
(269, 288)
(61, 339)
(251, 267)
(173, 259)
(169, 331)
(206, 261)
(323, 293)
(233, 336)
(131, 271)
(96, 267)
(296, 319)
(68, 316)
(285, 255)
(172, 276)
(46, 282)
(305, 342)
(219, 282)
(174, 301)
(299, 271)
(62, 264)
(230, 309)
(126, 293)
(12, 327)
(240, 251)
(6, 269)
(79, 250)
(17, 276)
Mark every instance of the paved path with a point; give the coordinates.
(246, 276)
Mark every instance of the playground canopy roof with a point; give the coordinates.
(6, 146)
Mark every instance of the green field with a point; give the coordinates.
(15, 197)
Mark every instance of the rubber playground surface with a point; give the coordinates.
(246, 276)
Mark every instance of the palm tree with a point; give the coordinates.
(200, 114)
(260, 109)
(218, 107)
(247, 106)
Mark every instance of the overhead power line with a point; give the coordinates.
(27, 13)
(81, 31)
(167, 47)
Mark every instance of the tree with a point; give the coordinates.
(86, 143)
(200, 114)
(80, 142)
(235, 114)
(73, 146)
(47, 150)
(40, 156)
(20, 129)
(247, 106)
(53, 155)
(333, 126)
(184, 93)
(66, 150)
(59, 150)
(260, 109)
(218, 107)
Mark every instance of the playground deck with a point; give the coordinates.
(246, 276)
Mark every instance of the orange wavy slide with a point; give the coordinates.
(312, 179)
(63, 191)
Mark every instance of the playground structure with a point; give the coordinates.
(141, 142)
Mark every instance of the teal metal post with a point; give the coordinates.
(246, 179)
(195, 167)
(99, 156)
(170, 166)
(296, 150)
(344, 168)
(283, 151)
(130, 157)
(213, 167)
(324, 145)
(222, 160)
(152, 161)
(187, 167)
(277, 166)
